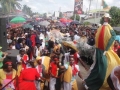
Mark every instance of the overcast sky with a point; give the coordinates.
(43, 6)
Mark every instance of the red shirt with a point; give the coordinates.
(32, 38)
(53, 69)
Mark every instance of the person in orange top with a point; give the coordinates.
(53, 73)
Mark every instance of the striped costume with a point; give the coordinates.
(106, 59)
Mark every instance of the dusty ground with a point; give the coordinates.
(84, 74)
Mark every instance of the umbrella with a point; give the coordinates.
(18, 20)
(34, 23)
(75, 22)
(69, 20)
(16, 25)
(63, 20)
(44, 23)
(70, 45)
(27, 26)
(60, 24)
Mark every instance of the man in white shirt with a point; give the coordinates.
(76, 37)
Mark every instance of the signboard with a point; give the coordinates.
(78, 8)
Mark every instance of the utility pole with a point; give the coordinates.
(96, 12)
(89, 6)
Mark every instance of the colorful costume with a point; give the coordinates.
(5, 78)
(54, 74)
(69, 77)
(76, 57)
(27, 78)
(46, 63)
(21, 66)
(40, 69)
(106, 59)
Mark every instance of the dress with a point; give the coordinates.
(27, 78)
(106, 59)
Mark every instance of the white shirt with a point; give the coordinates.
(66, 59)
(9, 41)
(37, 67)
(19, 58)
(76, 37)
(67, 34)
(13, 47)
(37, 53)
(77, 67)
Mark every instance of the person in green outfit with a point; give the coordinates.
(2, 56)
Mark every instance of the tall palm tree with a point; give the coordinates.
(27, 10)
(9, 6)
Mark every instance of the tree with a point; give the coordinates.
(115, 14)
(45, 15)
(9, 6)
(27, 10)
(77, 17)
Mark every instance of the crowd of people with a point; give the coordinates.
(42, 63)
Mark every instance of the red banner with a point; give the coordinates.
(78, 8)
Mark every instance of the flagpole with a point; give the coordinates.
(74, 12)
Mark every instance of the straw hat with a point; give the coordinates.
(107, 15)
(38, 58)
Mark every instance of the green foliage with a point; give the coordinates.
(115, 17)
(77, 17)
(101, 21)
(115, 14)
(9, 6)
(27, 10)
(86, 23)
(117, 32)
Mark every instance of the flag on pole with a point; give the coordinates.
(78, 7)
(104, 4)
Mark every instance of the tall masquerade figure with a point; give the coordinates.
(106, 58)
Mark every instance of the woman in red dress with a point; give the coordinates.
(27, 78)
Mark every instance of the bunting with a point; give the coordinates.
(104, 4)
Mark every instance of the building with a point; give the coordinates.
(68, 14)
